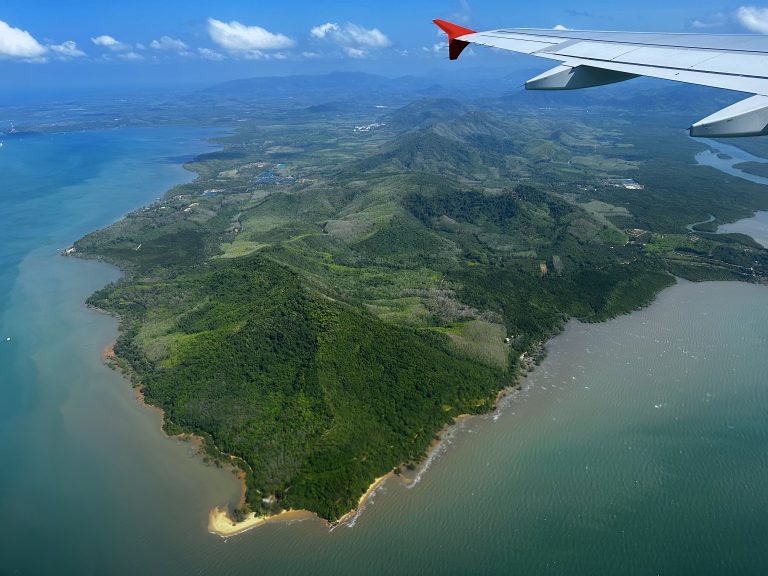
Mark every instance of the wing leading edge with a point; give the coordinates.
(587, 59)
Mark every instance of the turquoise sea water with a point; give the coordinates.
(639, 446)
(83, 465)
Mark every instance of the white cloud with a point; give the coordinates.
(106, 41)
(130, 56)
(260, 55)
(753, 18)
(355, 52)
(168, 43)
(323, 30)
(66, 50)
(17, 43)
(209, 54)
(715, 21)
(355, 40)
(239, 38)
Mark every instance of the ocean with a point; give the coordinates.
(639, 446)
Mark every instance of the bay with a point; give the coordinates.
(755, 227)
(725, 157)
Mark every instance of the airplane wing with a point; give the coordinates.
(734, 62)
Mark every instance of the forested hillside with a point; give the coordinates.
(330, 292)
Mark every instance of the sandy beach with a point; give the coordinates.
(221, 524)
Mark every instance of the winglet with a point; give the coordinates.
(455, 47)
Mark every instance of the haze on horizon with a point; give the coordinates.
(52, 46)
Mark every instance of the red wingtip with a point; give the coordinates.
(455, 47)
(453, 30)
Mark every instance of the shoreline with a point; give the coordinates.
(220, 520)
(109, 358)
(221, 523)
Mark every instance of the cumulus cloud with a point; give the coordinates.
(355, 52)
(351, 35)
(323, 30)
(259, 55)
(208, 54)
(354, 40)
(130, 56)
(753, 18)
(169, 44)
(17, 43)
(250, 41)
(106, 41)
(66, 50)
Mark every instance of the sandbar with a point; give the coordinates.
(222, 524)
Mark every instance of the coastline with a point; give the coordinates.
(221, 523)
(109, 357)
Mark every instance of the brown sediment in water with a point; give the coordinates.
(109, 357)
(108, 354)
(220, 521)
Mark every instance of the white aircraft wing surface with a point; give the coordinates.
(586, 59)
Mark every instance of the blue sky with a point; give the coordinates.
(54, 43)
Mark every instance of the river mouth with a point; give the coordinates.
(755, 227)
(726, 158)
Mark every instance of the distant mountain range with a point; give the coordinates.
(347, 91)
